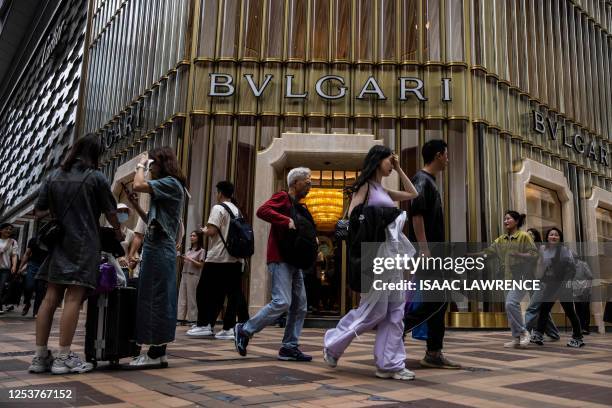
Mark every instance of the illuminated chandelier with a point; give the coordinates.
(326, 206)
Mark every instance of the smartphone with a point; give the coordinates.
(148, 165)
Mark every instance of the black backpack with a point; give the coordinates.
(240, 239)
(299, 247)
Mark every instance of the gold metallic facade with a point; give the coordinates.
(505, 59)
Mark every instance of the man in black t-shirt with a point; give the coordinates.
(426, 222)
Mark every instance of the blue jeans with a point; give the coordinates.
(513, 311)
(288, 294)
(533, 311)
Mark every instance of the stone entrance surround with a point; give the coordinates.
(313, 150)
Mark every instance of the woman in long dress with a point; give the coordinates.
(157, 293)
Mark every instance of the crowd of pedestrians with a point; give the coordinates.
(77, 194)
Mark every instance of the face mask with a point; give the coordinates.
(122, 217)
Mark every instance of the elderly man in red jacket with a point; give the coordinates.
(288, 291)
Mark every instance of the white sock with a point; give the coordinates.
(41, 351)
(64, 351)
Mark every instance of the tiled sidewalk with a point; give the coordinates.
(209, 373)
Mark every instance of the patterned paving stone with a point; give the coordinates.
(264, 376)
(209, 373)
(566, 389)
(13, 365)
(496, 356)
(425, 403)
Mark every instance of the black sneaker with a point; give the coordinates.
(292, 354)
(575, 343)
(26, 309)
(537, 338)
(438, 361)
(241, 340)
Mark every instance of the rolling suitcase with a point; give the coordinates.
(110, 326)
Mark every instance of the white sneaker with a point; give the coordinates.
(525, 339)
(70, 363)
(515, 343)
(200, 331)
(143, 361)
(225, 334)
(41, 364)
(404, 374)
(329, 359)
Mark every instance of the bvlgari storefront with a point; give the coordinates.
(244, 90)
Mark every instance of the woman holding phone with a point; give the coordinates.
(156, 304)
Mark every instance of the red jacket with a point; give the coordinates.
(276, 211)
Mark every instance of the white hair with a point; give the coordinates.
(299, 173)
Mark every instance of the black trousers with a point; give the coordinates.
(5, 274)
(38, 290)
(218, 281)
(556, 290)
(433, 313)
(568, 308)
(583, 310)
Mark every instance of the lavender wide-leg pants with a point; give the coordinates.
(384, 315)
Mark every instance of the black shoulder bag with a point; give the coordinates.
(52, 231)
(299, 246)
(355, 234)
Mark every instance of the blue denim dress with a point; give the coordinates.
(157, 293)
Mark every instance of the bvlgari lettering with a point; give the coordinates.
(593, 150)
(223, 85)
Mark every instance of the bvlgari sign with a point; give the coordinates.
(591, 149)
(329, 87)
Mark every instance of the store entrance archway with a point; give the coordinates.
(338, 152)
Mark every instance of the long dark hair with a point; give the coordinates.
(200, 241)
(168, 165)
(87, 150)
(519, 218)
(377, 154)
(557, 258)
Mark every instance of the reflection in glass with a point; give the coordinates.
(342, 30)
(275, 28)
(410, 30)
(319, 27)
(297, 17)
(364, 30)
(454, 30)
(252, 16)
(230, 29)
(432, 29)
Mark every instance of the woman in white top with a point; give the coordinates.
(192, 268)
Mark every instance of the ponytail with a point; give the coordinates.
(519, 218)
